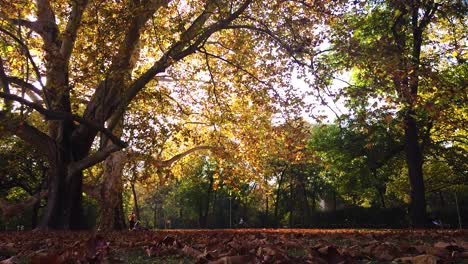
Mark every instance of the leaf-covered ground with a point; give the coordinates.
(236, 246)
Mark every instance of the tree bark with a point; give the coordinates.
(67, 146)
(64, 209)
(414, 162)
(407, 84)
(206, 204)
(135, 200)
(381, 191)
(111, 192)
(278, 195)
(291, 203)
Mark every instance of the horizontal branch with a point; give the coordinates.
(10, 209)
(92, 159)
(171, 161)
(58, 115)
(17, 126)
(21, 22)
(168, 163)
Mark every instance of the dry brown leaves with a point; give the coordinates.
(241, 246)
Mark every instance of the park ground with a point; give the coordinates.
(236, 246)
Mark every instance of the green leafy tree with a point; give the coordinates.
(403, 55)
(23, 178)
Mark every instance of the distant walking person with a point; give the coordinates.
(131, 220)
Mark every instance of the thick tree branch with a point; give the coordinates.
(59, 115)
(388, 155)
(69, 36)
(189, 42)
(5, 85)
(168, 163)
(28, 133)
(428, 14)
(92, 159)
(171, 161)
(14, 209)
(47, 26)
(107, 95)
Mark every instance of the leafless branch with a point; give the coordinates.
(27, 53)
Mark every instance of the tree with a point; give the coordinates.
(58, 30)
(394, 50)
(23, 177)
(81, 64)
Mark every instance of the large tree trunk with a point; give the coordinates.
(420, 15)
(111, 205)
(414, 161)
(111, 191)
(64, 209)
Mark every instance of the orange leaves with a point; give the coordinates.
(94, 250)
(243, 246)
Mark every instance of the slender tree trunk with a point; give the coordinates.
(441, 200)
(407, 85)
(35, 214)
(206, 205)
(291, 205)
(305, 206)
(334, 201)
(278, 195)
(200, 212)
(314, 197)
(266, 222)
(381, 191)
(155, 217)
(135, 200)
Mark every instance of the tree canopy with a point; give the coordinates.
(155, 97)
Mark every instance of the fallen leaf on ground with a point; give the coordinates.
(233, 260)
